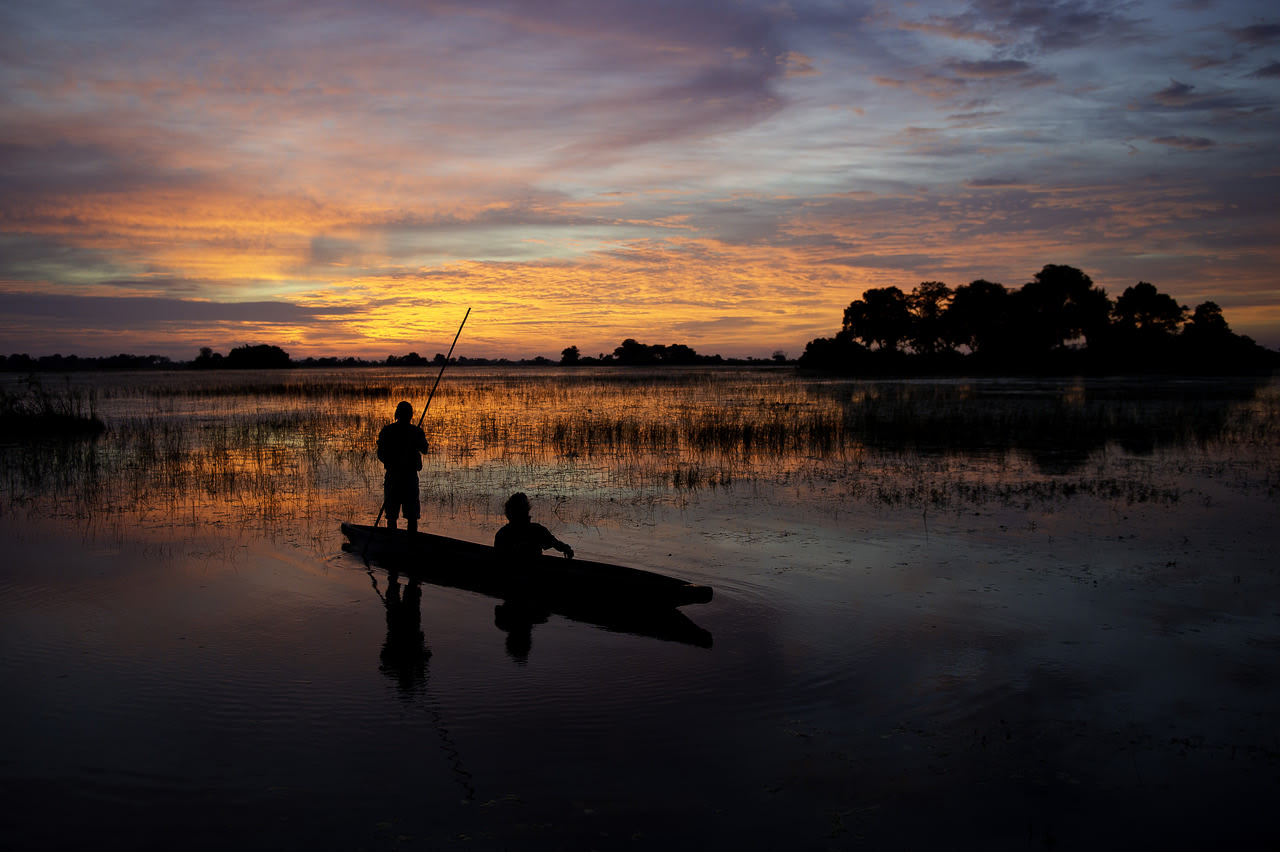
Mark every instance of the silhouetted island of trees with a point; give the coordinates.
(1060, 322)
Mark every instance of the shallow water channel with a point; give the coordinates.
(989, 614)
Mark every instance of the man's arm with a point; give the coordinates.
(550, 540)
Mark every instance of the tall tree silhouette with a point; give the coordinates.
(882, 317)
(1059, 306)
(1144, 309)
(978, 315)
(928, 303)
(262, 356)
(1057, 323)
(1207, 323)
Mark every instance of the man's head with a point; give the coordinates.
(404, 411)
(517, 508)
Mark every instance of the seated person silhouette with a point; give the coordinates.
(521, 539)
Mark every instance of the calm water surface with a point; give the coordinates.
(948, 615)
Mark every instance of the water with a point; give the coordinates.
(910, 646)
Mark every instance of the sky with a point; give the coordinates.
(348, 177)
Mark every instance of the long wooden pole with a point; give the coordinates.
(431, 395)
(383, 506)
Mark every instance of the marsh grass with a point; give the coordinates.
(296, 449)
(31, 411)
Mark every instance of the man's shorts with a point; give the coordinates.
(400, 495)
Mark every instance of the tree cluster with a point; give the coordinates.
(247, 357)
(1058, 322)
(632, 353)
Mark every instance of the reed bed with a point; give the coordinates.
(31, 410)
(298, 449)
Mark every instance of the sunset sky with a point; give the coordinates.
(347, 177)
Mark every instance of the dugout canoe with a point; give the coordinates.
(558, 581)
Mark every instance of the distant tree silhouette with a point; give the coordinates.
(1207, 323)
(928, 303)
(1142, 308)
(1144, 330)
(978, 316)
(677, 353)
(258, 357)
(413, 359)
(839, 354)
(207, 359)
(633, 353)
(1059, 306)
(570, 356)
(1208, 345)
(1057, 322)
(881, 318)
(67, 363)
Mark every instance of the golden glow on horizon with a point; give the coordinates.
(240, 243)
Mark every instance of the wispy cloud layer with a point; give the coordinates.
(346, 178)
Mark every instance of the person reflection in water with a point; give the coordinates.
(400, 448)
(516, 617)
(405, 653)
(521, 539)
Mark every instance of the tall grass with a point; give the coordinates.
(293, 452)
(31, 411)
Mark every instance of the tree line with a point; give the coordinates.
(1060, 321)
(630, 353)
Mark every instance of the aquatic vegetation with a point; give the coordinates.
(296, 449)
(36, 412)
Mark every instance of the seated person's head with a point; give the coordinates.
(404, 411)
(517, 507)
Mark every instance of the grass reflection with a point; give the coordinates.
(297, 448)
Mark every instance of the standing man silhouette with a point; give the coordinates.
(400, 448)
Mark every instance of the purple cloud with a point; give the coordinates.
(147, 312)
(989, 68)
(1256, 35)
(1186, 143)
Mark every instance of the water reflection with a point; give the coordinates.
(521, 609)
(1059, 425)
(516, 618)
(404, 659)
(242, 449)
(404, 653)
